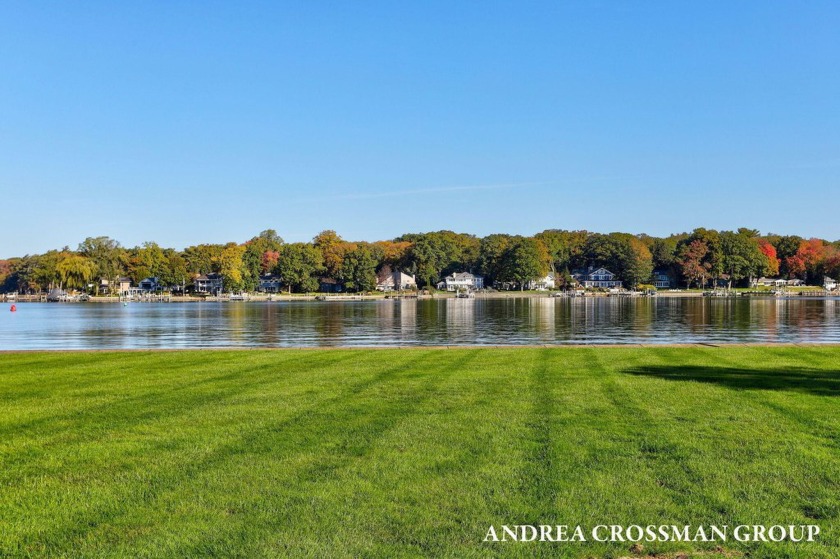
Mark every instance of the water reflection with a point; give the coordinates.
(413, 322)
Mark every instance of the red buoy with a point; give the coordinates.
(13, 309)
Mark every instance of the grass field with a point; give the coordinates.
(413, 453)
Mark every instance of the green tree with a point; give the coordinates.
(527, 259)
(299, 265)
(359, 268)
(203, 259)
(741, 255)
(565, 247)
(491, 259)
(106, 254)
(75, 270)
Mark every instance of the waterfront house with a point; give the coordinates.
(121, 286)
(661, 279)
(542, 284)
(795, 282)
(269, 283)
(599, 278)
(829, 283)
(770, 282)
(330, 285)
(461, 280)
(208, 283)
(150, 284)
(394, 280)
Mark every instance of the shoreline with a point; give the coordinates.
(321, 298)
(723, 345)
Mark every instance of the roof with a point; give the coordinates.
(462, 276)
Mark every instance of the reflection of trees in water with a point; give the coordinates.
(267, 325)
(236, 314)
(439, 321)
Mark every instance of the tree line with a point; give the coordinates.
(692, 259)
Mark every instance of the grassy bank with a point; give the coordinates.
(404, 453)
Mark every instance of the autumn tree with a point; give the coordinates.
(231, 266)
(332, 248)
(693, 262)
(769, 252)
(786, 247)
(805, 264)
(268, 242)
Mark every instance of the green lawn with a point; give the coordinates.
(412, 453)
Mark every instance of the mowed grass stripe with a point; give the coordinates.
(411, 453)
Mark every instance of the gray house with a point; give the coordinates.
(208, 283)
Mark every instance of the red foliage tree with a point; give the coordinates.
(772, 258)
(694, 268)
(269, 261)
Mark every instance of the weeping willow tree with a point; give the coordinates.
(75, 270)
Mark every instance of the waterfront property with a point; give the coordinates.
(209, 283)
(661, 279)
(769, 282)
(149, 285)
(120, 286)
(542, 284)
(597, 278)
(330, 285)
(394, 280)
(270, 283)
(829, 283)
(413, 453)
(461, 280)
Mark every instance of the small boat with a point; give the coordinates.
(56, 296)
(465, 295)
(238, 297)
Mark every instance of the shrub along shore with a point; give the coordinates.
(414, 453)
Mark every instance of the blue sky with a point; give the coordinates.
(188, 122)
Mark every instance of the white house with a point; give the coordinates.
(770, 282)
(829, 283)
(394, 280)
(269, 283)
(600, 277)
(209, 283)
(461, 280)
(542, 284)
(795, 282)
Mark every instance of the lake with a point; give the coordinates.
(513, 321)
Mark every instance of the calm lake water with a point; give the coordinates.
(412, 322)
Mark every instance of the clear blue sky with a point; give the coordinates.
(188, 122)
